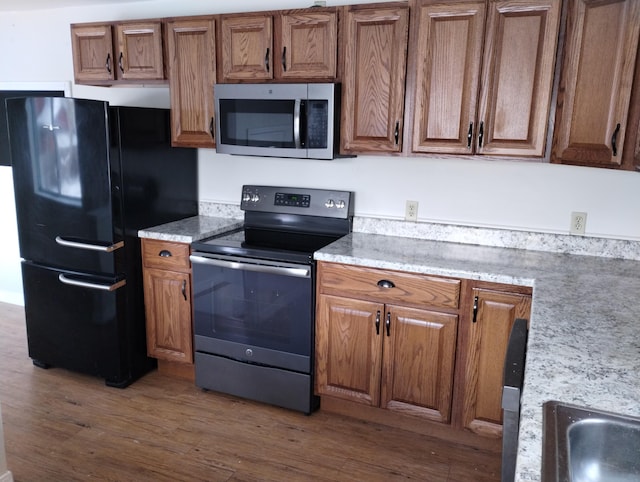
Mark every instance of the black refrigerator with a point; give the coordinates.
(87, 177)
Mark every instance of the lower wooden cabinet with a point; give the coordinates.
(425, 347)
(390, 356)
(167, 297)
(492, 314)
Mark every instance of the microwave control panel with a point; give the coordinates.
(317, 123)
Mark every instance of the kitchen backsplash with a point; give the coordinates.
(555, 243)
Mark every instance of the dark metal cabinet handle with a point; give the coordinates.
(266, 60)
(385, 283)
(387, 323)
(481, 134)
(165, 253)
(211, 126)
(614, 140)
(378, 322)
(120, 63)
(396, 132)
(108, 63)
(284, 58)
(475, 309)
(184, 289)
(469, 135)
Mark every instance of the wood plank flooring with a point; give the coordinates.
(61, 426)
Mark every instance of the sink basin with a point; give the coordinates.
(585, 445)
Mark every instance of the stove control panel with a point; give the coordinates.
(291, 200)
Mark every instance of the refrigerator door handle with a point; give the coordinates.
(93, 286)
(95, 247)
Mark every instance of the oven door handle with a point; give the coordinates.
(302, 272)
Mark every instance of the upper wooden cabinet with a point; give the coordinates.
(305, 46)
(373, 87)
(483, 76)
(596, 82)
(247, 47)
(140, 55)
(191, 48)
(92, 46)
(104, 53)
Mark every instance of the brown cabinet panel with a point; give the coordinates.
(139, 53)
(374, 79)
(247, 47)
(448, 72)
(167, 300)
(517, 78)
(307, 45)
(192, 73)
(92, 46)
(165, 255)
(596, 81)
(168, 313)
(349, 351)
(419, 357)
(496, 103)
(371, 284)
(487, 338)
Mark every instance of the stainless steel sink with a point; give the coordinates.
(585, 445)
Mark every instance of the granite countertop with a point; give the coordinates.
(190, 229)
(584, 338)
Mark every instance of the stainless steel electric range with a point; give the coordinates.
(254, 295)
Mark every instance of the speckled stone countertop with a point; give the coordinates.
(584, 338)
(191, 229)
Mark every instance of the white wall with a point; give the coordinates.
(505, 194)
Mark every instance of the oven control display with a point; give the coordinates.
(287, 199)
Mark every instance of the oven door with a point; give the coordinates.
(252, 310)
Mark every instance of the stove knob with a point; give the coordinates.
(255, 198)
(246, 197)
(329, 203)
(340, 204)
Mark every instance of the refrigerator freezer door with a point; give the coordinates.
(76, 322)
(64, 182)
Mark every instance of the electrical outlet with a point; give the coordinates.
(411, 211)
(578, 223)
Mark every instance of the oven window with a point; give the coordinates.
(257, 309)
(257, 122)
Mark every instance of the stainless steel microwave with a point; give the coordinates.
(278, 120)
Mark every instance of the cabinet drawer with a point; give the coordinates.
(165, 255)
(368, 283)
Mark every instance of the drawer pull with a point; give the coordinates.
(165, 253)
(388, 323)
(378, 322)
(385, 283)
(184, 289)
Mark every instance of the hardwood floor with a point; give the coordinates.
(61, 426)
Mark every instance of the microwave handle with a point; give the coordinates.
(296, 123)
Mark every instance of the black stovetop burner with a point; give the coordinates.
(285, 224)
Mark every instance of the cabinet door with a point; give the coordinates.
(489, 327)
(167, 297)
(247, 47)
(517, 77)
(192, 72)
(349, 349)
(505, 110)
(308, 46)
(140, 51)
(374, 79)
(418, 361)
(449, 54)
(596, 80)
(92, 53)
